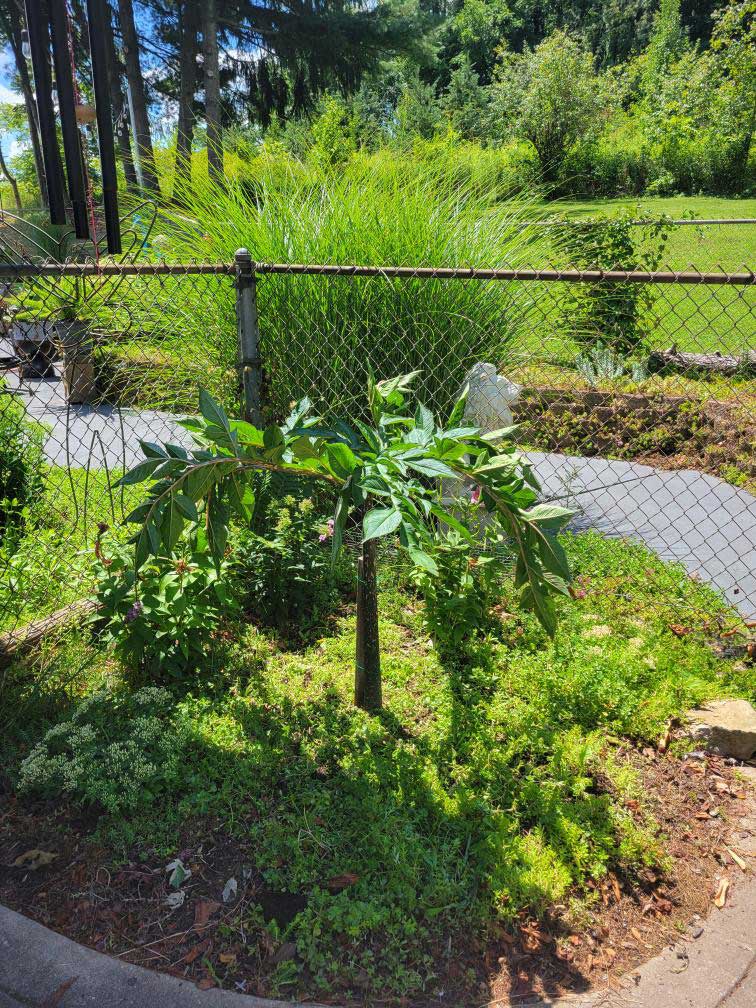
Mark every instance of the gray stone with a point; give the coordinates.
(727, 727)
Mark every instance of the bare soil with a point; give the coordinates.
(119, 907)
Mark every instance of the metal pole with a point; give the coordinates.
(39, 43)
(250, 363)
(98, 48)
(67, 108)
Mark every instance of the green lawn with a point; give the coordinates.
(696, 318)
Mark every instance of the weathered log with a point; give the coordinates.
(716, 362)
(26, 638)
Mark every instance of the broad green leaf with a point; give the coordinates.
(152, 450)
(424, 419)
(212, 411)
(247, 433)
(500, 434)
(399, 384)
(172, 524)
(380, 522)
(422, 559)
(186, 506)
(549, 513)
(140, 472)
(341, 460)
(432, 467)
(273, 438)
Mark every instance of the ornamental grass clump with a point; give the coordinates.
(325, 332)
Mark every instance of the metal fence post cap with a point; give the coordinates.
(242, 253)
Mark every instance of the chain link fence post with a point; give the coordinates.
(250, 362)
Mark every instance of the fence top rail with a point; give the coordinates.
(590, 221)
(690, 276)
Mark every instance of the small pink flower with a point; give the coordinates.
(475, 495)
(328, 532)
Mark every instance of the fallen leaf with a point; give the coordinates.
(205, 983)
(34, 859)
(175, 900)
(738, 860)
(195, 952)
(203, 911)
(227, 958)
(720, 896)
(178, 873)
(616, 889)
(55, 998)
(338, 882)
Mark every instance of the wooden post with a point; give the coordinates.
(367, 672)
(250, 363)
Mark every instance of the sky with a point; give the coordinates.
(8, 140)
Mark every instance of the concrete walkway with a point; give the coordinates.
(41, 969)
(700, 520)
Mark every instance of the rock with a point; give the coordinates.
(727, 727)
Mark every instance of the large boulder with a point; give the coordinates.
(727, 727)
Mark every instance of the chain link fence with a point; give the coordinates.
(634, 391)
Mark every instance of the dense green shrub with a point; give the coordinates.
(612, 315)
(119, 750)
(159, 620)
(285, 571)
(21, 441)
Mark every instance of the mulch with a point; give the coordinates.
(67, 882)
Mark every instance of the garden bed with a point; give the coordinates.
(656, 428)
(514, 825)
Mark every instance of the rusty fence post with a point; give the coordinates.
(250, 362)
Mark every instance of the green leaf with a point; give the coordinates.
(341, 460)
(186, 506)
(273, 438)
(241, 497)
(543, 514)
(432, 467)
(500, 434)
(401, 383)
(139, 513)
(172, 524)
(424, 419)
(140, 472)
(458, 412)
(152, 450)
(380, 522)
(212, 411)
(422, 559)
(247, 433)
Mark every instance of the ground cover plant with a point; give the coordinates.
(370, 854)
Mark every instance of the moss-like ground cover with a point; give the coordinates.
(483, 790)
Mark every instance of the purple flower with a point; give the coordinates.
(475, 495)
(134, 611)
(328, 532)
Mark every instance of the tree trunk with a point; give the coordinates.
(187, 87)
(11, 181)
(12, 27)
(716, 362)
(212, 90)
(120, 111)
(367, 673)
(140, 118)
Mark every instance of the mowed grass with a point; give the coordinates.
(704, 318)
